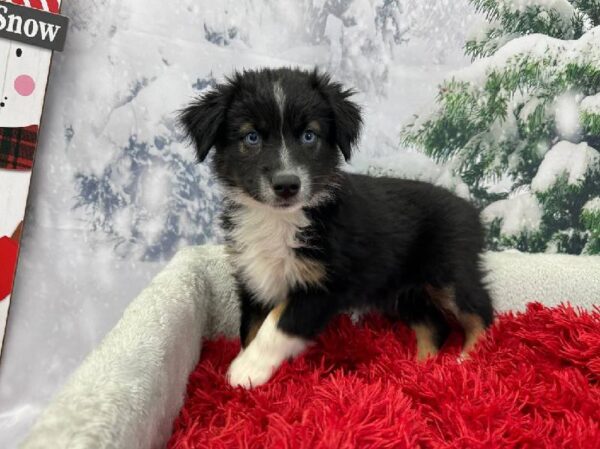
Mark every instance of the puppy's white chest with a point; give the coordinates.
(263, 242)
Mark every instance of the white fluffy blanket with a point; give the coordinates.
(128, 391)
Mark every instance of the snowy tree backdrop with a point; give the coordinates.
(147, 196)
(517, 131)
(522, 124)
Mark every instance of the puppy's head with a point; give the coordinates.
(279, 135)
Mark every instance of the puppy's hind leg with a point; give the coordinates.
(471, 304)
(428, 339)
(475, 313)
(427, 321)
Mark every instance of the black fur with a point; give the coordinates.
(384, 239)
(381, 241)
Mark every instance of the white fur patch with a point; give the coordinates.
(280, 100)
(270, 348)
(264, 239)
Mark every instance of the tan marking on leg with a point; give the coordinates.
(258, 322)
(474, 330)
(254, 327)
(471, 323)
(278, 310)
(264, 355)
(426, 346)
(443, 298)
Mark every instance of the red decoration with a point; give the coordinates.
(533, 383)
(45, 5)
(9, 250)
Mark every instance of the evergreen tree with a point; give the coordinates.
(522, 124)
(591, 220)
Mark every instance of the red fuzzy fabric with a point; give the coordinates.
(533, 383)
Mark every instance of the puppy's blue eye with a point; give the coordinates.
(309, 136)
(252, 138)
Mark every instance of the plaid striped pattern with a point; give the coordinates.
(45, 5)
(17, 147)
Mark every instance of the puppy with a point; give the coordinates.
(308, 240)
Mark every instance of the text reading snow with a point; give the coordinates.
(32, 26)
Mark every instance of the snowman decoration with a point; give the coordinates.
(23, 76)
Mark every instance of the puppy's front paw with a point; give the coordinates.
(247, 371)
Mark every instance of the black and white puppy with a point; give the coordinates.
(308, 240)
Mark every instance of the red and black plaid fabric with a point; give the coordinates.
(17, 147)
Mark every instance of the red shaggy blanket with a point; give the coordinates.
(533, 383)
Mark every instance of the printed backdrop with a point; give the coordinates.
(516, 131)
(451, 92)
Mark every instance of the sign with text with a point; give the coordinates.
(23, 82)
(33, 26)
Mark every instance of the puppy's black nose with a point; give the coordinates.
(286, 185)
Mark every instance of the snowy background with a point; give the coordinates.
(115, 190)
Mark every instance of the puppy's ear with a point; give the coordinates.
(203, 118)
(346, 114)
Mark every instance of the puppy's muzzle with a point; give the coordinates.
(286, 185)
